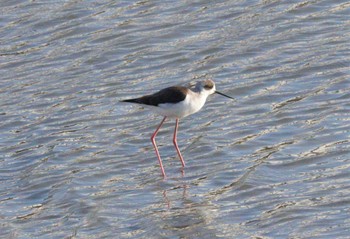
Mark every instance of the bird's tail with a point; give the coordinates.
(136, 100)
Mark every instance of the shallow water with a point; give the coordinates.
(77, 163)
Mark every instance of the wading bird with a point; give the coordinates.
(176, 102)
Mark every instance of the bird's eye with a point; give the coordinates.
(208, 87)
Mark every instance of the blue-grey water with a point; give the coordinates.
(77, 163)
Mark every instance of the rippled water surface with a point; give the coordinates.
(77, 163)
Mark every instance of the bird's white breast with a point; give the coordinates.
(191, 104)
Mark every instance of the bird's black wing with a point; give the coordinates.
(172, 94)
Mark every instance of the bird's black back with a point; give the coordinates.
(172, 94)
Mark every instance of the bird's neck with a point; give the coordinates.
(201, 94)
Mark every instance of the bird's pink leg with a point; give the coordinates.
(155, 146)
(175, 143)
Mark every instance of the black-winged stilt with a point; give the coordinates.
(176, 102)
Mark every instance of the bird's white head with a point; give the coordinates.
(206, 87)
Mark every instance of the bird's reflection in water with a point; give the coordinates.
(185, 214)
(176, 188)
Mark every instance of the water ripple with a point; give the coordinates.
(77, 163)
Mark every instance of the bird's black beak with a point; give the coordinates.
(217, 92)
